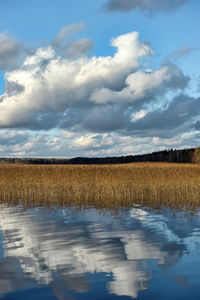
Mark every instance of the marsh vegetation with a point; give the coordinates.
(103, 186)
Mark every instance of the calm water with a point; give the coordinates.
(68, 254)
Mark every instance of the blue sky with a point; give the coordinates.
(98, 78)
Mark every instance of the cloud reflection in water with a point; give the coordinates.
(59, 249)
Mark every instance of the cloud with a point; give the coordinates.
(143, 85)
(146, 6)
(78, 48)
(13, 88)
(65, 45)
(167, 122)
(196, 126)
(183, 51)
(10, 52)
(50, 90)
(69, 143)
(53, 84)
(106, 105)
(66, 33)
(12, 142)
(198, 85)
(8, 138)
(104, 118)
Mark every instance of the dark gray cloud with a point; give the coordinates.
(10, 52)
(13, 88)
(105, 118)
(165, 122)
(146, 6)
(178, 79)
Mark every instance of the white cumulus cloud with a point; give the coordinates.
(50, 90)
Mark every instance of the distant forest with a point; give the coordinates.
(171, 156)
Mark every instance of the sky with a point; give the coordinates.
(98, 78)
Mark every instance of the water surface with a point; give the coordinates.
(65, 253)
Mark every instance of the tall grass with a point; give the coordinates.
(104, 186)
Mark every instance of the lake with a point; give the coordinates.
(69, 253)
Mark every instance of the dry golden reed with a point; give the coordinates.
(104, 186)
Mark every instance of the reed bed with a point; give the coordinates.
(155, 185)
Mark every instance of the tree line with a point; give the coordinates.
(191, 155)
